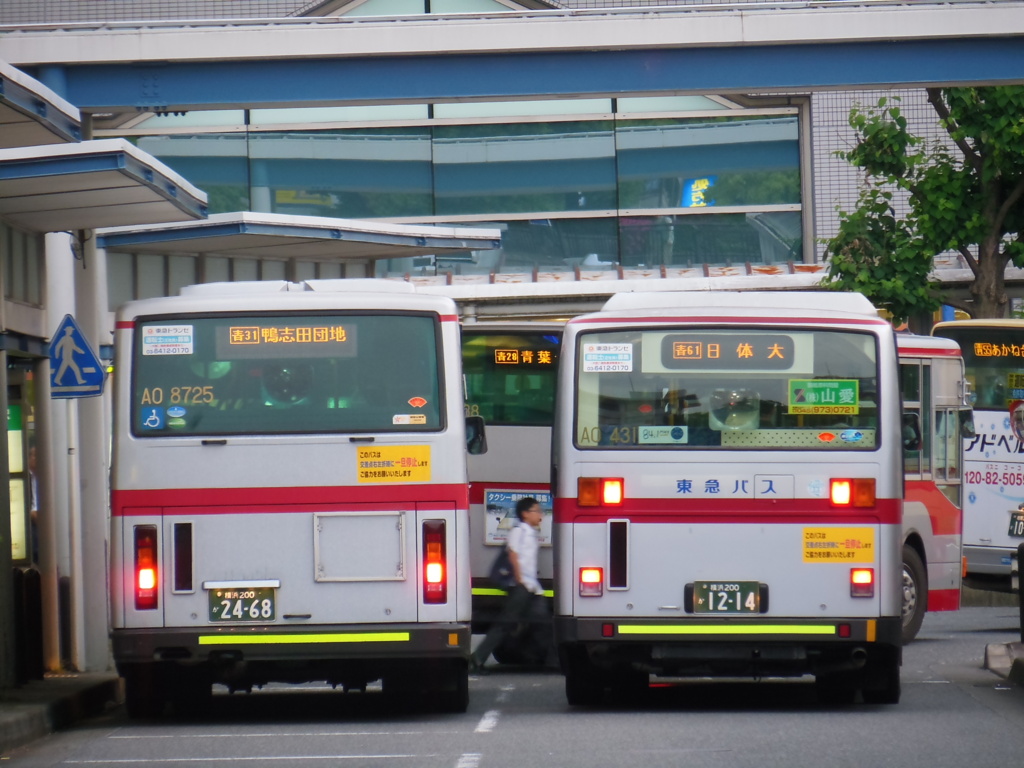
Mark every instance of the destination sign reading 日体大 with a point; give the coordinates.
(727, 351)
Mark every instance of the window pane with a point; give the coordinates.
(16, 288)
(710, 387)
(120, 279)
(668, 104)
(715, 239)
(322, 373)
(34, 270)
(730, 161)
(510, 376)
(181, 272)
(524, 168)
(217, 269)
(244, 269)
(216, 163)
(272, 270)
(366, 173)
(524, 108)
(305, 270)
(150, 276)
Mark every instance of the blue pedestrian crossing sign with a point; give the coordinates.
(75, 370)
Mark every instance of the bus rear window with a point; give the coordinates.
(510, 377)
(727, 388)
(285, 374)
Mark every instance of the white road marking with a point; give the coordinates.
(239, 759)
(275, 735)
(488, 721)
(505, 691)
(469, 760)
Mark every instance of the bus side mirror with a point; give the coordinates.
(476, 437)
(911, 432)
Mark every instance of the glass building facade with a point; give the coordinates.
(589, 183)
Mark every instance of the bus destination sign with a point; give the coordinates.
(727, 352)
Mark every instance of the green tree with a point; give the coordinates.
(968, 201)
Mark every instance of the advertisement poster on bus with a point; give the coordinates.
(500, 514)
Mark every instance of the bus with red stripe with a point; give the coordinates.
(937, 395)
(289, 493)
(510, 369)
(729, 493)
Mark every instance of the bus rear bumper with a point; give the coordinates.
(285, 644)
(730, 648)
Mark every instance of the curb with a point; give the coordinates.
(41, 707)
(1006, 660)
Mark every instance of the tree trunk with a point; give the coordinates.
(989, 288)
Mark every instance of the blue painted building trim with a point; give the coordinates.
(15, 169)
(40, 109)
(125, 240)
(395, 78)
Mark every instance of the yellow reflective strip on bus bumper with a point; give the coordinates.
(492, 592)
(730, 629)
(326, 637)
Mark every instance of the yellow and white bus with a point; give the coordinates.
(289, 492)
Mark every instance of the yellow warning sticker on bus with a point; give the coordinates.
(393, 464)
(839, 545)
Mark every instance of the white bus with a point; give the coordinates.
(936, 392)
(511, 370)
(993, 481)
(729, 492)
(289, 492)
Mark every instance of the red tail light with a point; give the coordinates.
(855, 492)
(591, 582)
(600, 491)
(147, 574)
(862, 582)
(435, 562)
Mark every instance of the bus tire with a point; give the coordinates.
(190, 691)
(838, 689)
(143, 691)
(882, 680)
(583, 686)
(915, 593)
(453, 692)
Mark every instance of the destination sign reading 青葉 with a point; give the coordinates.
(727, 351)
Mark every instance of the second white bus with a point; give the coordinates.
(729, 493)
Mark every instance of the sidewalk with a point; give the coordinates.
(58, 701)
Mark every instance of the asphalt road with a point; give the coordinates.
(953, 713)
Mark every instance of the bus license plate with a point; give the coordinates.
(243, 604)
(1017, 525)
(726, 597)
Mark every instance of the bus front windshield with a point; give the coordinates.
(285, 374)
(727, 388)
(510, 377)
(993, 362)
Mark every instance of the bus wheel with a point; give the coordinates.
(837, 689)
(455, 697)
(143, 691)
(915, 593)
(583, 687)
(191, 691)
(882, 681)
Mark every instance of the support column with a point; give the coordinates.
(93, 453)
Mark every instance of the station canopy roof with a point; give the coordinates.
(310, 238)
(31, 114)
(92, 184)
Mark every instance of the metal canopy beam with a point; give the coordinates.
(91, 184)
(396, 78)
(31, 114)
(278, 236)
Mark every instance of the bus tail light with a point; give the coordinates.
(862, 582)
(591, 582)
(146, 568)
(600, 491)
(435, 563)
(852, 492)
